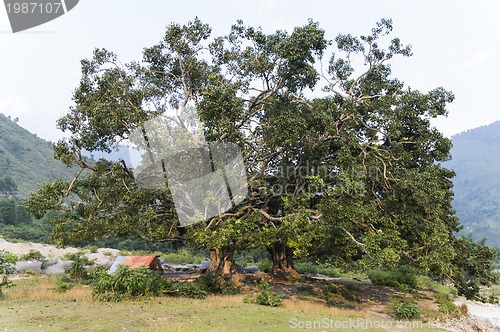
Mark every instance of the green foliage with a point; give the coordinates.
(126, 283)
(425, 282)
(77, 271)
(353, 176)
(11, 258)
(183, 256)
(7, 186)
(32, 255)
(406, 309)
(309, 267)
(5, 283)
(402, 278)
(186, 289)
(6, 264)
(215, 284)
(266, 297)
(35, 255)
(445, 302)
(264, 265)
(473, 267)
(64, 283)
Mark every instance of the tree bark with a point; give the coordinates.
(221, 261)
(282, 258)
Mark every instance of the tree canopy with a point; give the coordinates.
(341, 159)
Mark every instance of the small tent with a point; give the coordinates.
(153, 262)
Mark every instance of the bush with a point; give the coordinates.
(4, 283)
(266, 296)
(11, 258)
(215, 284)
(77, 272)
(406, 310)
(264, 265)
(6, 266)
(317, 268)
(401, 278)
(64, 284)
(126, 283)
(33, 255)
(182, 256)
(186, 289)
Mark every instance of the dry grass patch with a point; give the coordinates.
(42, 287)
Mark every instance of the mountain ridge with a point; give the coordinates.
(27, 159)
(476, 161)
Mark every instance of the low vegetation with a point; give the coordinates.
(266, 296)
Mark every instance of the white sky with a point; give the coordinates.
(454, 45)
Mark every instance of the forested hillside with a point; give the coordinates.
(476, 160)
(26, 159)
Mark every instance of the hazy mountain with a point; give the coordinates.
(476, 160)
(27, 159)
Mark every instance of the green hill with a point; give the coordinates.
(476, 160)
(27, 159)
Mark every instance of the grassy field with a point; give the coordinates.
(33, 305)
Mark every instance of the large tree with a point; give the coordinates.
(350, 172)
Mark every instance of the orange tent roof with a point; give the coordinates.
(136, 261)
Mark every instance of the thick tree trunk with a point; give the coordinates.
(282, 258)
(221, 261)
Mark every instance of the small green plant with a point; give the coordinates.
(32, 255)
(266, 296)
(445, 302)
(35, 255)
(63, 284)
(264, 265)
(6, 266)
(215, 284)
(5, 283)
(107, 253)
(92, 249)
(317, 268)
(77, 272)
(11, 258)
(186, 289)
(405, 309)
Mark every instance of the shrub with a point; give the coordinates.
(406, 310)
(4, 283)
(64, 284)
(317, 268)
(266, 296)
(32, 255)
(126, 283)
(182, 256)
(401, 278)
(264, 265)
(35, 255)
(215, 284)
(186, 289)
(11, 258)
(77, 272)
(6, 266)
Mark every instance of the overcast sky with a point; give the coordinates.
(455, 44)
